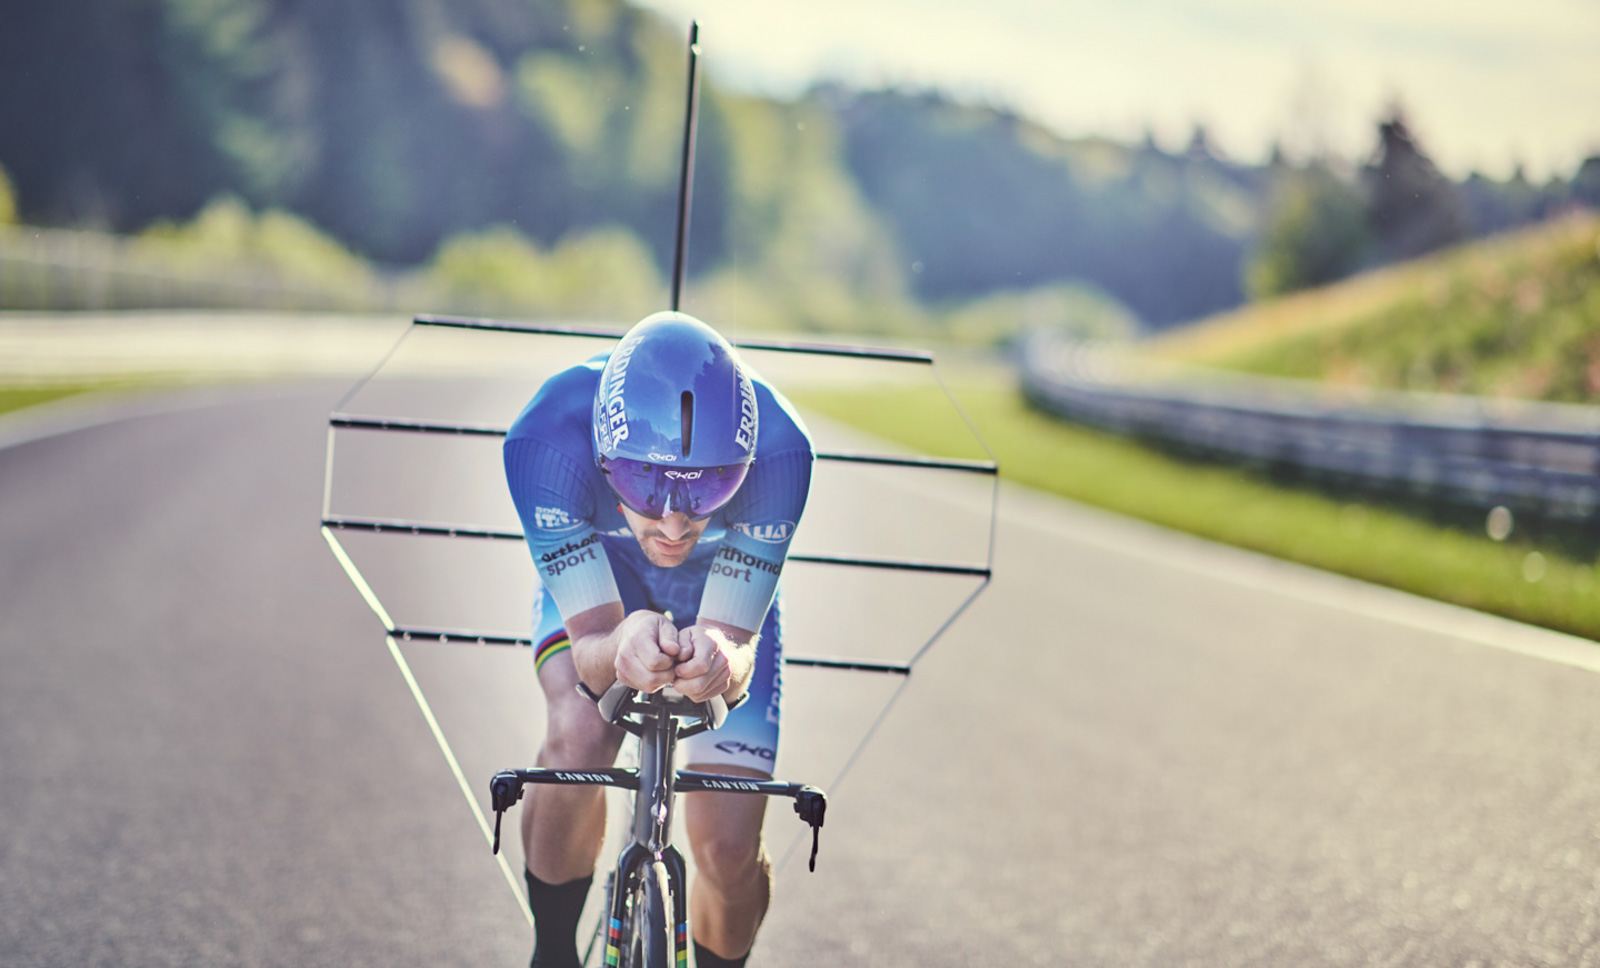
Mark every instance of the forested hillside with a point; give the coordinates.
(482, 137)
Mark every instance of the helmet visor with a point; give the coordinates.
(657, 490)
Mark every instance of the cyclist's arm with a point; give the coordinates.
(548, 490)
(721, 659)
(744, 576)
(641, 650)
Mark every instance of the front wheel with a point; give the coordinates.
(647, 934)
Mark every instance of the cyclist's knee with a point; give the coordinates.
(576, 736)
(727, 858)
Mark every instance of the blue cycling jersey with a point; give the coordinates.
(587, 556)
(578, 535)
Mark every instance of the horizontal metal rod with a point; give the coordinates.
(351, 422)
(897, 564)
(505, 326)
(379, 526)
(932, 463)
(855, 665)
(458, 636)
(776, 346)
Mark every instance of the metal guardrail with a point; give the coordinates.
(1469, 451)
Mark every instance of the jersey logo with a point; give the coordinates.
(775, 532)
(736, 748)
(746, 435)
(616, 412)
(553, 519)
(569, 555)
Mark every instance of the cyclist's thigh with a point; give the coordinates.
(749, 736)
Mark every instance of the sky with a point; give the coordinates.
(1485, 86)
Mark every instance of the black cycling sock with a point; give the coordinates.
(705, 958)
(556, 908)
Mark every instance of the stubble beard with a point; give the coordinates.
(660, 559)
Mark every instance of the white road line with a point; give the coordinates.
(461, 779)
(367, 593)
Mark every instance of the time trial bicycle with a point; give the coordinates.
(646, 922)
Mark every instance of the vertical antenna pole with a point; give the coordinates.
(686, 172)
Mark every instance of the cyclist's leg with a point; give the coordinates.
(730, 895)
(562, 826)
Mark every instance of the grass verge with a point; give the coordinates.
(1515, 579)
(15, 398)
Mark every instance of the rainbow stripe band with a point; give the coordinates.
(683, 944)
(554, 643)
(614, 944)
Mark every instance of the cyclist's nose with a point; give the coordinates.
(675, 526)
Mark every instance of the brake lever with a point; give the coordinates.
(812, 805)
(505, 789)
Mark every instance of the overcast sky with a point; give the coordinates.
(1485, 84)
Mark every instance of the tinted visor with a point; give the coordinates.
(656, 490)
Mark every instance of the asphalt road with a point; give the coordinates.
(1135, 749)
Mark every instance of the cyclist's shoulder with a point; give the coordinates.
(780, 426)
(561, 408)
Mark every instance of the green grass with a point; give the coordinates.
(1512, 316)
(1236, 507)
(15, 398)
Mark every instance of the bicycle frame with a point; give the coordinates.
(659, 723)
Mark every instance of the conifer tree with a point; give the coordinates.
(1413, 208)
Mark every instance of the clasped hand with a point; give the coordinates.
(652, 654)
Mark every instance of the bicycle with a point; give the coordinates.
(649, 878)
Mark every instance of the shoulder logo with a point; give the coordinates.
(553, 519)
(610, 410)
(745, 436)
(772, 532)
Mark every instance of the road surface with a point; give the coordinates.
(1135, 749)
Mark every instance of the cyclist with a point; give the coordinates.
(659, 486)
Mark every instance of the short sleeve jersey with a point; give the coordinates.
(580, 540)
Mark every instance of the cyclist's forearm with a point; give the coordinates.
(739, 645)
(595, 635)
(596, 658)
(743, 670)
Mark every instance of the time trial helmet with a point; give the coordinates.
(674, 418)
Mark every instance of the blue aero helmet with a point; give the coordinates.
(674, 418)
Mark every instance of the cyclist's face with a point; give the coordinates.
(667, 541)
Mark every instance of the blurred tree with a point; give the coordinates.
(1413, 208)
(1498, 206)
(980, 200)
(1314, 232)
(1069, 309)
(8, 200)
(1586, 184)
(605, 273)
(226, 236)
(99, 124)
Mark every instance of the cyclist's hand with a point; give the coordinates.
(703, 670)
(647, 651)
